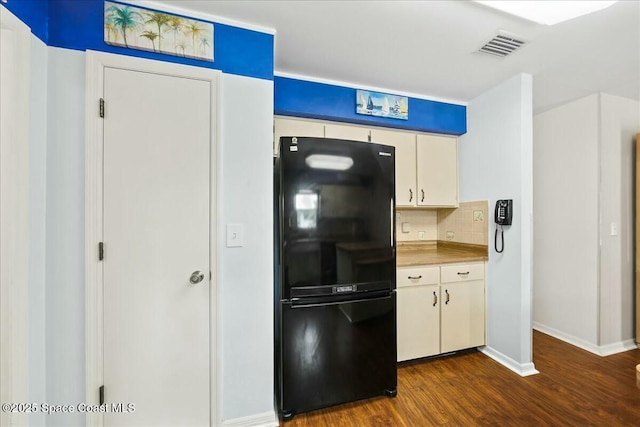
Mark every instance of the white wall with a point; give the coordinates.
(583, 291)
(37, 222)
(247, 275)
(566, 174)
(619, 122)
(65, 347)
(495, 163)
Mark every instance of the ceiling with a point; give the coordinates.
(429, 48)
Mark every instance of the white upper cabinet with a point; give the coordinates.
(426, 165)
(437, 170)
(294, 127)
(405, 144)
(354, 133)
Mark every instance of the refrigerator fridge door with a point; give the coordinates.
(337, 213)
(336, 353)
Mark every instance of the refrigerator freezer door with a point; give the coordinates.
(336, 353)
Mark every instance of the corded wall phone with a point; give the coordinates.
(503, 216)
(504, 210)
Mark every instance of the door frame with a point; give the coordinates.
(14, 217)
(94, 327)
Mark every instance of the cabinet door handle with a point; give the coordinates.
(463, 274)
(410, 194)
(447, 300)
(435, 298)
(422, 191)
(415, 277)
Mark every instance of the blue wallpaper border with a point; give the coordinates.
(302, 98)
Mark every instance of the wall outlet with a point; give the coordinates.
(451, 235)
(422, 235)
(478, 216)
(234, 236)
(406, 227)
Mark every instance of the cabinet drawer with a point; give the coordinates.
(462, 272)
(412, 276)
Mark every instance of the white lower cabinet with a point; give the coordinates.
(462, 315)
(440, 309)
(418, 312)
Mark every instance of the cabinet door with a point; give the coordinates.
(437, 163)
(354, 133)
(462, 315)
(418, 321)
(294, 127)
(405, 144)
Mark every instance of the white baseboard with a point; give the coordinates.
(266, 419)
(602, 350)
(617, 347)
(522, 369)
(578, 342)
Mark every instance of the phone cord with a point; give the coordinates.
(495, 239)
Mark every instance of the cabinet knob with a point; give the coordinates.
(415, 277)
(435, 298)
(410, 194)
(466, 273)
(422, 199)
(447, 300)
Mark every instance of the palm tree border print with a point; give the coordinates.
(155, 31)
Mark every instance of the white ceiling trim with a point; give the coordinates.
(370, 88)
(199, 15)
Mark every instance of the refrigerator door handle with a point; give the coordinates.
(327, 303)
(392, 222)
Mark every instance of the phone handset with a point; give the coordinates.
(503, 216)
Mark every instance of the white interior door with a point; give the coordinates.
(156, 228)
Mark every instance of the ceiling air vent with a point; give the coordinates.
(502, 45)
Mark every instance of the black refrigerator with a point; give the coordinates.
(335, 300)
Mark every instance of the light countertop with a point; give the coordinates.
(433, 252)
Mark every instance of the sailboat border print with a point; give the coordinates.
(156, 31)
(382, 105)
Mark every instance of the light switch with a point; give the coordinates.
(406, 227)
(234, 235)
(614, 229)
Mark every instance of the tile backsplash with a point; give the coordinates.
(419, 220)
(469, 223)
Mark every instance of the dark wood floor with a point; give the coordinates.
(574, 388)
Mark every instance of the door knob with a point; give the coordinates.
(196, 277)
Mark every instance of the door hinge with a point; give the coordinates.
(101, 394)
(100, 251)
(101, 108)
